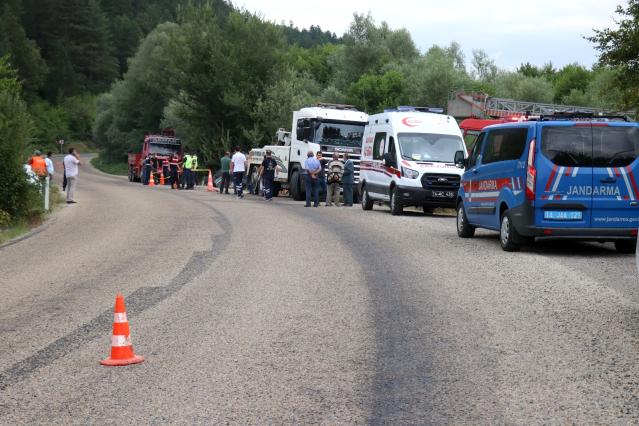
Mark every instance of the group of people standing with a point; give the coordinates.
(43, 168)
(327, 176)
(235, 167)
(170, 168)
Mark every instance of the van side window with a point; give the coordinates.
(505, 144)
(474, 155)
(391, 150)
(379, 146)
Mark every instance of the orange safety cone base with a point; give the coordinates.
(110, 362)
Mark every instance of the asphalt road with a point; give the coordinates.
(258, 313)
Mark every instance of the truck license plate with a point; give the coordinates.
(443, 194)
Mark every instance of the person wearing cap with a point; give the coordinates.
(267, 172)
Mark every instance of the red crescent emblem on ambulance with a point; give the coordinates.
(411, 122)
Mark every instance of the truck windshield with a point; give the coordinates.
(163, 149)
(337, 133)
(431, 147)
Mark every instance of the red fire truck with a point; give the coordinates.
(160, 147)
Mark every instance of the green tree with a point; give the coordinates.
(572, 76)
(23, 52)
(373, 92)
(18, 198)
(619, 48)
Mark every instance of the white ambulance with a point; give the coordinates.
(411, 156)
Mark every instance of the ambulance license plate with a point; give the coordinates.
(563, 215)
(443, 194)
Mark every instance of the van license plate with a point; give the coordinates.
(443, 194)
(563, 215)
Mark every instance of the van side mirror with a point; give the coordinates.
(389, 161)
(460, 161)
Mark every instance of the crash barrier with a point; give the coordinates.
(121, 347)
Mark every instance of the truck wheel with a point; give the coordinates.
(508, 236)
(367, 202)
(626, 246)
(396, 203)
(131, 174)
(296, 186)
(464, 229)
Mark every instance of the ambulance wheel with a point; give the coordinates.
(626, 246)
(396, 204)
(464, 229)
(296, 186)
(508, 237)
(367, 202)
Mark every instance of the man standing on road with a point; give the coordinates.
(175, 176)
(187, 163)
(312, 167)
(347, 180)
(71, 163)
(193, 171)
(238, 168)
(49, 163)
(267, 172)
(335, 172)
(321, 176)
(225, 162)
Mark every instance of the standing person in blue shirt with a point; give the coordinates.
(267, 172)
(348, 179)
(312, 167)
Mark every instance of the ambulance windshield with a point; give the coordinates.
(338, 133)
(429, 147)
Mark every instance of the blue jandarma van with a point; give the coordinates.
(558, 177)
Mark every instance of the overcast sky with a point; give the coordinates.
(535, 31)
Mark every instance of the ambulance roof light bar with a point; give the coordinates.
(406, 108)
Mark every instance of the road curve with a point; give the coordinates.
(249, 312)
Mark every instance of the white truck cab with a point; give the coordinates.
(324, 127)
(409, 157)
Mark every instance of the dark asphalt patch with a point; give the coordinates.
(403, 371)
(137, 302)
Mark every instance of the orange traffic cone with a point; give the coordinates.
(209, 185)
(151, 180)
(121, 347)
(161, 178)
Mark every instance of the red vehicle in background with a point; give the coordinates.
(159, 147)
(472, 127)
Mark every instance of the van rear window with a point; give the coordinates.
(614, 146)
(605, 146)
(567, 146)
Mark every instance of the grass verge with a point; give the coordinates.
(22, 226)
(120, 169)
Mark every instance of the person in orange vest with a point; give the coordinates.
(38, 164)
(175, 178)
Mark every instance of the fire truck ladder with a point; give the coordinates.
(464, 104)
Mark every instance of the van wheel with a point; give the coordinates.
(396, 206)
(508, 236)
(367, 202)
(626, 246)
(464, 229)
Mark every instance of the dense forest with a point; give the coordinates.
(108, 71)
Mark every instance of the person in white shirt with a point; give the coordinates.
(71, 163)
(238, 168)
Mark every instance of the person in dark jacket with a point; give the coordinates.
(348, 179)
